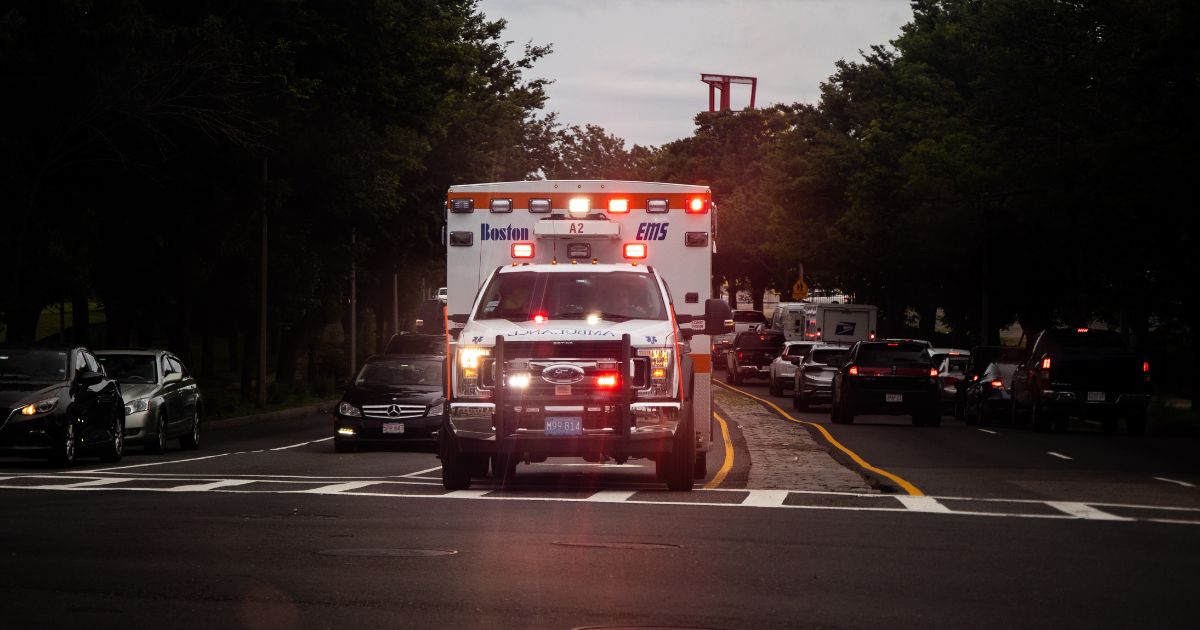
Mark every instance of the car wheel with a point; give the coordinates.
(455, 474)
(343, 446)
(191, 441)
(682, 461)
(1039, 418)
(504, 467)
(116, 444)
(157, 443)
(64, 451)
(776, 387)
(730, 375)
(479, 466)
(1020, 418)
(700, 466)
(1108, 425)
(933, 417)
(737, 376)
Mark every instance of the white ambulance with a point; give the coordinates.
(586, 321)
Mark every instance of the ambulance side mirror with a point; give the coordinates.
(459, 318)
(718, 317)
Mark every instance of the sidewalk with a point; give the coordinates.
(784, 455)
(321, 408)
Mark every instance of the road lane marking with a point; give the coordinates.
(201, 487)
(284, 448)
(922, 504)
(173, 461)
(727, 465)
(765, 498)
(612, 496)
(467, 494)
(339, 487)
(986, 431)
(422, 472)
(1058, 455)
(1085, 511)
(97, 482)
(908, 487)
(1175, 481)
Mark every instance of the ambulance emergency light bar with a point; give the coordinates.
(580, 206)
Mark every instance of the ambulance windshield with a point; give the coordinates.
(590, 295)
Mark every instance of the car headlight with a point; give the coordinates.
(437, 409)
(137, 406)
(40, 407)
(467, 376)
(346, 409)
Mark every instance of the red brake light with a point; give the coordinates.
(871, 336)
(932, 372)
(606, 381)
(1081, 330)
(1046, 363)
(893, 345)
(635, 250)
(522, 250)
(997, 384)
(1146, 367)
(974, 378)
(697, 205)
(853, 371)
(618, 206)
(739, 355)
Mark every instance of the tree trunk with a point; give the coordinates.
(928, 315)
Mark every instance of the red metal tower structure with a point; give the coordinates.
(722, 82)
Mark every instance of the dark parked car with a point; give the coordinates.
(751, 354)
(162, 400)
(393, 398)
(887, 377)
(1081, 372)
(59, 403)
(814, 375)
(408, 343)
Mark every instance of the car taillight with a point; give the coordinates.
(932, 372)
(853, 371)
(1045, 363)
(997, 384)
(739, 355)
(606, 381)
(1145, 371)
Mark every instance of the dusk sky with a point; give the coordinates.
(633, 67)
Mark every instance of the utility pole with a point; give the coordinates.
(395, 303)
(353, 309)
(262, 305)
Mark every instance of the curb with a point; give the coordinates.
(321, 408)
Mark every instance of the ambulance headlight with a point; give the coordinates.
(467, 376)
(662, 370)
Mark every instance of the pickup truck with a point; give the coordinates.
(1081, 372)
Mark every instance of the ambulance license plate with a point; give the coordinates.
(1096, 397)
(893, 398)
(393, 427)
(562, 390)
(564, 425)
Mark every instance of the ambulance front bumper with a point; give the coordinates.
(541, 431)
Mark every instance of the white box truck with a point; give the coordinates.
(586, 322)
(830, 323)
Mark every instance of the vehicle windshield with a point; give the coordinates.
(614, 296)
(38, 366)
(956, 365)
(797, 350)
(1090, 340)
(887, 355)
(760, 340)
(130, 369)
(395, 373)
(749, 317)
(827, 357)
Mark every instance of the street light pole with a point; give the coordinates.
(262, 305)
(353, 308)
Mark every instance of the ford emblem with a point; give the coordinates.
(562, 374)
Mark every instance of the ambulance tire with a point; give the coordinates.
(681, 463)
(456, 474)
(700, 470)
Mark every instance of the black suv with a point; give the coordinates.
(58, 402)
(393, 398)
(751, 355)
(890, 378)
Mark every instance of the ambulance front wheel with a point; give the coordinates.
(456, 473)
(700, 470)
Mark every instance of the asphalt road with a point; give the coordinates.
(955, 459)
(267, 527)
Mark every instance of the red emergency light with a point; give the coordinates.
(618, 206)
(606, 381)
(696, 205)
(522, 250)
(635, 250)
(539, 318)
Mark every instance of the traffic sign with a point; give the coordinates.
(800, 290)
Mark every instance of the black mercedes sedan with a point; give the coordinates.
(393, 398)
(59, 403)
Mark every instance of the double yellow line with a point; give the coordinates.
(720, 476)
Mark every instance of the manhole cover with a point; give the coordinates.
(388, 553)
(619, 545)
